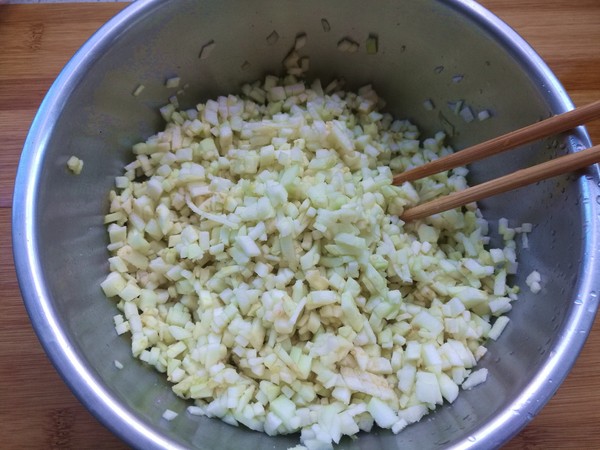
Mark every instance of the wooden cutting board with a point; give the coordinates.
(37, 410)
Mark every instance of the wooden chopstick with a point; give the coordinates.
(548, 127)
(523, 177)
(549, 169)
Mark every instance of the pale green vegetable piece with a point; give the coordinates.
(169, 415)
(75, 165)
(372, 44)
(172, 82)
(113, 284)
(383, 415)
(427, 388)
(448, 388)
(477, 377)
(498, 327)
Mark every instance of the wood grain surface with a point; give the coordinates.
(37, 410)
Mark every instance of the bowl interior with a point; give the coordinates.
(427, 50)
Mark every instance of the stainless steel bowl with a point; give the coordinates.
(59, 239)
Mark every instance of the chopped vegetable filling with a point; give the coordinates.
(259, 261)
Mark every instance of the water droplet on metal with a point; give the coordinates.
(472, 439)
(593, 295)
(578, 301)
(438, 69)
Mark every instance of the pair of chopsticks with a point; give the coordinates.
(558, 166)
